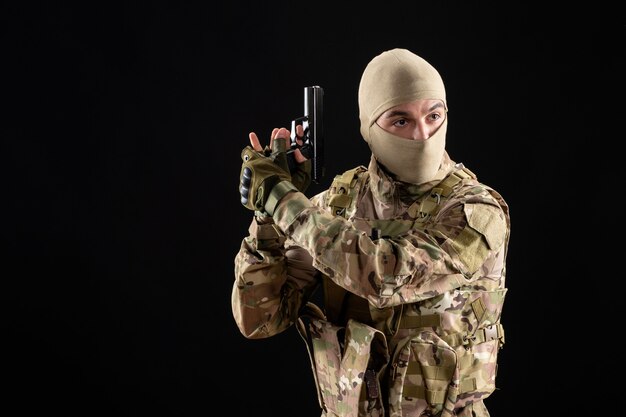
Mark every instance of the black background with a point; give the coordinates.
(123, 126)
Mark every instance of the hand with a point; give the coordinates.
(261, 170)
(299, 166)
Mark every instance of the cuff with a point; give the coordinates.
(278, 192)
(266, 235)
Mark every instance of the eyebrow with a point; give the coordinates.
(436, 106)
(395, 113)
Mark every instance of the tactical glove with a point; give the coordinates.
(301, 173)
(261, 173)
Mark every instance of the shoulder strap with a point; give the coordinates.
(427, 206)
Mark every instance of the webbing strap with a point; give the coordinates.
(448, 183)
(440, 373)
(478, 307)
(481, 335)
(488, 333)
(437, 396)
(428, 206)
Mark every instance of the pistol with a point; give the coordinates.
(313, 137)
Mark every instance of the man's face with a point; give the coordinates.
(417, 120)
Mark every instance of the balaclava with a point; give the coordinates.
(395, 77)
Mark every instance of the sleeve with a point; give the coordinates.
(273, 279)
(416, 265)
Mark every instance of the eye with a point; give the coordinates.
(400, 123)
(433, 117)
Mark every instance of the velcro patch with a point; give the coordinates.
(472, 248)
(488, 221)
(485, 230)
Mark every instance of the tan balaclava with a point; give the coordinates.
(395, 77)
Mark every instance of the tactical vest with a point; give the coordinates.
(428, 359)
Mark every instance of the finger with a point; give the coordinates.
(299, 134)
(283, 133)
(298, 156)
(279, 133)
(254, 141)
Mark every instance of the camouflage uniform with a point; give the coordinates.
(414, 283)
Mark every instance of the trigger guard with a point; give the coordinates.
(294, 137)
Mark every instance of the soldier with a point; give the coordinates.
(410, 252)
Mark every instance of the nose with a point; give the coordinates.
(422, 131)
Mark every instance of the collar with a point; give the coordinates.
(387, 190)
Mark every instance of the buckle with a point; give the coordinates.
(491, 332)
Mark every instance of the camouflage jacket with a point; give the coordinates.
(414, 283)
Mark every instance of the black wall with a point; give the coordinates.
(123, 132)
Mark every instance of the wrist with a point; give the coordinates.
(276, 194)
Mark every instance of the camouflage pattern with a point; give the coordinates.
(342, 370)
(434, 285)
